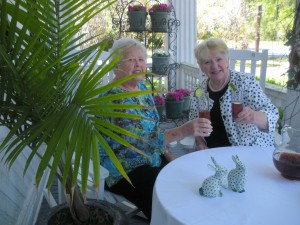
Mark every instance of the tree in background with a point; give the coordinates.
(294, 58)
(277, 19)
(235, 20)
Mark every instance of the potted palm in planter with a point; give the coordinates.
(137, 15)
(160, 62)
(160, 14)
(50, 96)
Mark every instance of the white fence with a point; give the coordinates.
(20, 196)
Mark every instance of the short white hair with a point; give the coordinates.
(123, 44)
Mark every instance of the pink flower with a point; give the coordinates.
(185, 91)
(161, 7)
(159, 100)
(176, 95)
(133, 8)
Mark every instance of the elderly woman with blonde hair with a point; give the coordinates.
(255, 124)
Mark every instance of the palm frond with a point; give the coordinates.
(50, 89)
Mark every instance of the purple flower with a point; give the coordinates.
(161, 7)
(159, 100)
(175, 95)
(133, 8)
(184, 91)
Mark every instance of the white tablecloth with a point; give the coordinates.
(269, 198)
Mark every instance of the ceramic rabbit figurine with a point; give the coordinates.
(211, 186)
(237, 176)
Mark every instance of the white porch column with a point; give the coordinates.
(187, 31)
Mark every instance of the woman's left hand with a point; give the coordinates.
(257, 118)
(247, 115)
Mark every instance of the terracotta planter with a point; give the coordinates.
(160, 65)
(108, 214)
(137, 21)
(174, 109)
(160, 21)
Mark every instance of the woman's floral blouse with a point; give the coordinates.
(148, 130)
(254, 97)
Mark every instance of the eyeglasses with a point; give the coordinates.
(133, 60)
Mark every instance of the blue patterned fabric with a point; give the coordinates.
(148, 130)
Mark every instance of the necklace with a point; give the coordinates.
(222, 86)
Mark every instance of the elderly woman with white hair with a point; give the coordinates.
(141, 171)
(255, 124)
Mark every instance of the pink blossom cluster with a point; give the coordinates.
(132, 8)
(161, 7)
(185, 91)
(159, 100)
(175, 95)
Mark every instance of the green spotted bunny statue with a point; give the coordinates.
(211, 186)
(237, 176)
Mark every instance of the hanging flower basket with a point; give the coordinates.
(137, 21)
(160, 15)
(159, 21)
(160, 65)
(160, 62)
(137, 18)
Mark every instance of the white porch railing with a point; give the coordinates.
(188, 76)
(242, 57)
(20, 196)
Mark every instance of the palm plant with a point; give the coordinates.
(49, 92)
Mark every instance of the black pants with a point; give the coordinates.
(143, 179)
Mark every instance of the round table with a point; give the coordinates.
(269, 198)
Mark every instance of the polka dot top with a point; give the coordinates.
(254, 97)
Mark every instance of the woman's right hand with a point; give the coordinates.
(196, 127)
(199, 127)
(200, 143)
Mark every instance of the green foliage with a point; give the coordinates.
(214, 20)
(279, 15)
(280, 120)
(156, 41)
(49, 91)
(154, 84)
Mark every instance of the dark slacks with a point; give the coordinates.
(140, 194)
